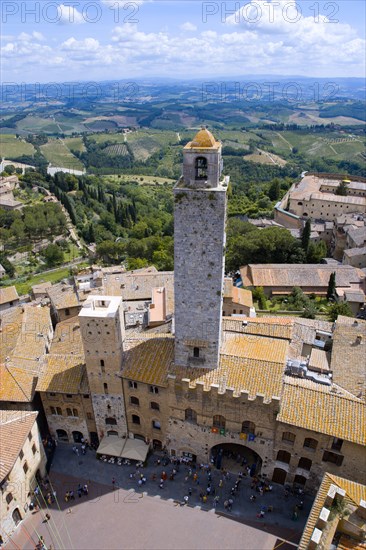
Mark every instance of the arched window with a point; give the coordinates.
(248, 427)
(196, 352)
(289, 437)
(310, 443)
(68, 412)
(134, 400)
(305, 463)
(190, 415)
(156, 425)
(155, 406)
(111, 421)
(135, 419)
(75, 412)
(59, 411)
(200, 168)
(219, 422)
(284, 456)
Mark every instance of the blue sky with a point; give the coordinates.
(121, 39)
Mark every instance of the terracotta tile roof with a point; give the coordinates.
(237, 295)
(62, 374)
(301, 275)
(63, 295)
(239, 374)
(138, 285)
(304, 332)
(16, 384)
(348, 361)
(14, 429)
(319, 360)
(354, 493)
(67, 338)
(242, 297)
(8, 294)
(251, 346)
(25, 333)
(323, 409)
(274, 327)
(148, 359)
(350, 544)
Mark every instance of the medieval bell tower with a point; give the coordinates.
(199, 253)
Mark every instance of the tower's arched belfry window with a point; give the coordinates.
(201, 168)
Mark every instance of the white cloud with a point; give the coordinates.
(25, 37)
(68, 15)
(284, 48)
(189, 27)
(88, 44)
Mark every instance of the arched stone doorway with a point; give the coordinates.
(77, 436)
(279, 475)
(62, 435)
(235, 457)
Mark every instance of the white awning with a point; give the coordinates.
(135, 449)
(111, 445)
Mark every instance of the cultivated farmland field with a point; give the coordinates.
(12, 147)
(59, 155)
(75, 144)
(119, 149)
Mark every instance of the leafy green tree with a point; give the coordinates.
(9, 169)
(339, 308)
(260, 297)
(309, 311)
(331, 286)
(9, 268)
(274, 191)
(341, 189)
(53, 255)
(305, 236)
(136, 263)
(298, 299)
(316, 252)
(163, 261)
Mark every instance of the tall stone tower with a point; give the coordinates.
(199, 253)
(102, 328)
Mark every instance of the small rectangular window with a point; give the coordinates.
(21, 454)
(34, 449)
(132, 384)
(25, 467)
(154, 389)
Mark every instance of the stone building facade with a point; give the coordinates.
(199, 252)
(70, 416)
(102, 329)
(23, 462)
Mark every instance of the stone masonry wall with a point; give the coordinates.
(199, 235)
